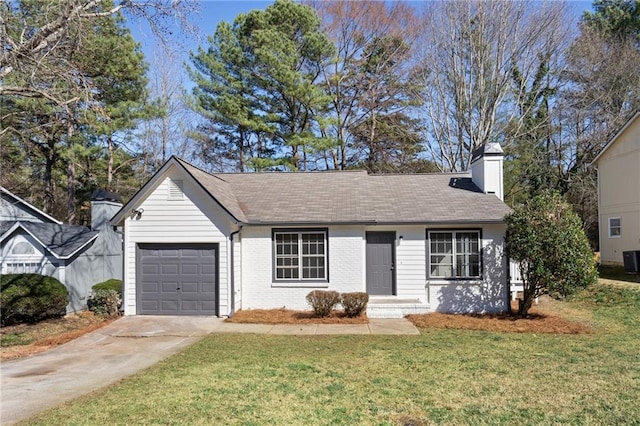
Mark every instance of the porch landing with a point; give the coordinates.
(393, 307)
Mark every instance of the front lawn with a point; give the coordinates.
(444, 376)
(617, 273)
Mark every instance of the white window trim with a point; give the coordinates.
(453, 233)
(609, 227)
(300, 281)
(10, 263)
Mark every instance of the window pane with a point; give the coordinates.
(474, 265)
(615, 227)
(442, 271)
(441, 259)
(467, 254)
(441, 242)
(460, 266)
(299, 253)
(441, 265)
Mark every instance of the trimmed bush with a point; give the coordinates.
(323, 302)
(29, 298)
(104, 302)
(354, 304)
(112, 284)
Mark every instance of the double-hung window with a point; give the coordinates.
(615, 227)
(300, 255)
(454, 254)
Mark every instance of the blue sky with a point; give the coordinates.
(210, 13)
(214, 11)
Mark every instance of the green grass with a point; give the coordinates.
(16, 339)
(440, 377)
(617, 273)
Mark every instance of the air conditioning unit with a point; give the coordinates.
(631, 261)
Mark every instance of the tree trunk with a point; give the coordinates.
(71, 177)
(524, 304)
(50, 159)
(110, 164)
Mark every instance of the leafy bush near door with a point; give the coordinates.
(104, 302)
(112, 284)
(29, 298)
(106, 298)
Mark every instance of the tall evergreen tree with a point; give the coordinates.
(89, 89)
(256, 87)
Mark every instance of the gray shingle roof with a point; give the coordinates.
(350, 197)
(62, 240)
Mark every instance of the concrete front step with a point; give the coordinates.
(395, 308)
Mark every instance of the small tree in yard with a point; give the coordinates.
(546, 238)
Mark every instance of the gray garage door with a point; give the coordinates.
(177, 279)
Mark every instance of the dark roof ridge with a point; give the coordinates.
(293, 172)
(186, 163)
(422, 174)
(219, 174)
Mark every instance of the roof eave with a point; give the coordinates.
(79, 249)
(375, 223)
(615, 137)
(31, 206)
(45, 246)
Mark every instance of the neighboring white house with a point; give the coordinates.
(32, 241)
(210, 244)
(619, 193)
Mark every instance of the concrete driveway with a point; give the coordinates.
(93, 361)
(128, 345)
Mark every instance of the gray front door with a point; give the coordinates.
(380, 263)
(177, 279)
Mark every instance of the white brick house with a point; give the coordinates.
(211, 244)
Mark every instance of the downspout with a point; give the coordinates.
(121, 234)
(509, 296)
(232, 309)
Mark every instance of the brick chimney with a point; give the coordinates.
(486, 169)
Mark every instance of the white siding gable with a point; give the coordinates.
(195, 218)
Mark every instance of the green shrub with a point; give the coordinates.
(323, 302)
(545, 236)
(31, 298)
(354, 304)
(104, 302)
(112, 284)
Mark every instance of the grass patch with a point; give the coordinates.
(27, 339)
(443, 376)
(617, 273)
(288, 316)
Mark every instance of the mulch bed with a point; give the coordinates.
(536, 322)
(288, 316)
